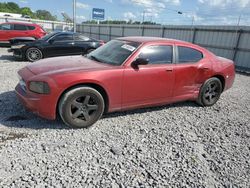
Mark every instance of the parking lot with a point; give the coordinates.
(180, 145)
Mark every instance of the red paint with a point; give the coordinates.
(6, 35)
(125, 86)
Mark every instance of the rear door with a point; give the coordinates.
(81, 43)
(192, 68)
(20, 30)
(5, 31)
(61, 44)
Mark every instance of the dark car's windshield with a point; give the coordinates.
(114, 52)
(46, 37)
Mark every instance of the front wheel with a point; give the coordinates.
(210, 92)
(81, 107)
(34, 54)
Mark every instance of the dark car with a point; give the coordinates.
(126, 73)
(55, 44)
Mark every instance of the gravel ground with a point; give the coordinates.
(179, 145)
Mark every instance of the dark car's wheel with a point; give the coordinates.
(210, 92)
(81, 107)
(34, 54)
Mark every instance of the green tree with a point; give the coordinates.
(45, 15)
(27, 11)
(13, 7)
(9, 7)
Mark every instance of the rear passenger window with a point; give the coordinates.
(63, 37)
(157, 54)
(187, 55)
(31, 27)
(6, 27)
(20, 27)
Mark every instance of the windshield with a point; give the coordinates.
(114, 52)
(46, 37)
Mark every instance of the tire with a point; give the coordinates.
(210, 92)
(81, 107)
(33, 54)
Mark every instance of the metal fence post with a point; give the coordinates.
(142, 31)
(194, 35)
(99, 32)
(123, 31)
(53, 26)
(109, 32)
(163, 32)
(90, 30)
(236, 48)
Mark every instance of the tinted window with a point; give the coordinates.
(157, 54)
(81, 37)
(20, 27)
(63, 37)
(187, 55)
(31, 27)
(6, 27)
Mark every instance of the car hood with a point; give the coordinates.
(65, 64)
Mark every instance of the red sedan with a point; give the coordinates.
(126, 73)
(11, 30)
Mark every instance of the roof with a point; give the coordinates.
(25, 23)
(149, 39)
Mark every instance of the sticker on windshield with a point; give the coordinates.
(128, 47)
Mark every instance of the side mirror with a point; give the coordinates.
(139, 61)
(51, 41)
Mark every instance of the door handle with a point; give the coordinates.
(169, 70)
(204, 68)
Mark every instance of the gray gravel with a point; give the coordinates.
(179, 145)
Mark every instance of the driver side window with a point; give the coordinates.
(160, 54)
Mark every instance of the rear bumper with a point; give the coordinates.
(229, 77)
(38, 104)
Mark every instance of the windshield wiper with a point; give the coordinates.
(95, 58)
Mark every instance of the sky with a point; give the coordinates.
(198, 12)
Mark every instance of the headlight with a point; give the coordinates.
(39, 87)
(17, 46)
(22, 82)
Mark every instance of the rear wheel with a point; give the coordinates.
(34, 54)
(210, 92)
(81, 107)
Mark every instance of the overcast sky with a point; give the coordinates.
(212, 12)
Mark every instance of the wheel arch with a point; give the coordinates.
(98, 87)
(222, 80)
(25, 51)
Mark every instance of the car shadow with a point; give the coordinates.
(5, 45)
(7, 57)
(13, 114)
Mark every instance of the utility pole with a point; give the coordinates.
(74, 15)
(143, 16)
(238, 24)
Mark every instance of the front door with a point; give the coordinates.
(61, 44)
(152, 83)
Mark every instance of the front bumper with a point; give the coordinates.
(17, 53)
(38, 104)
